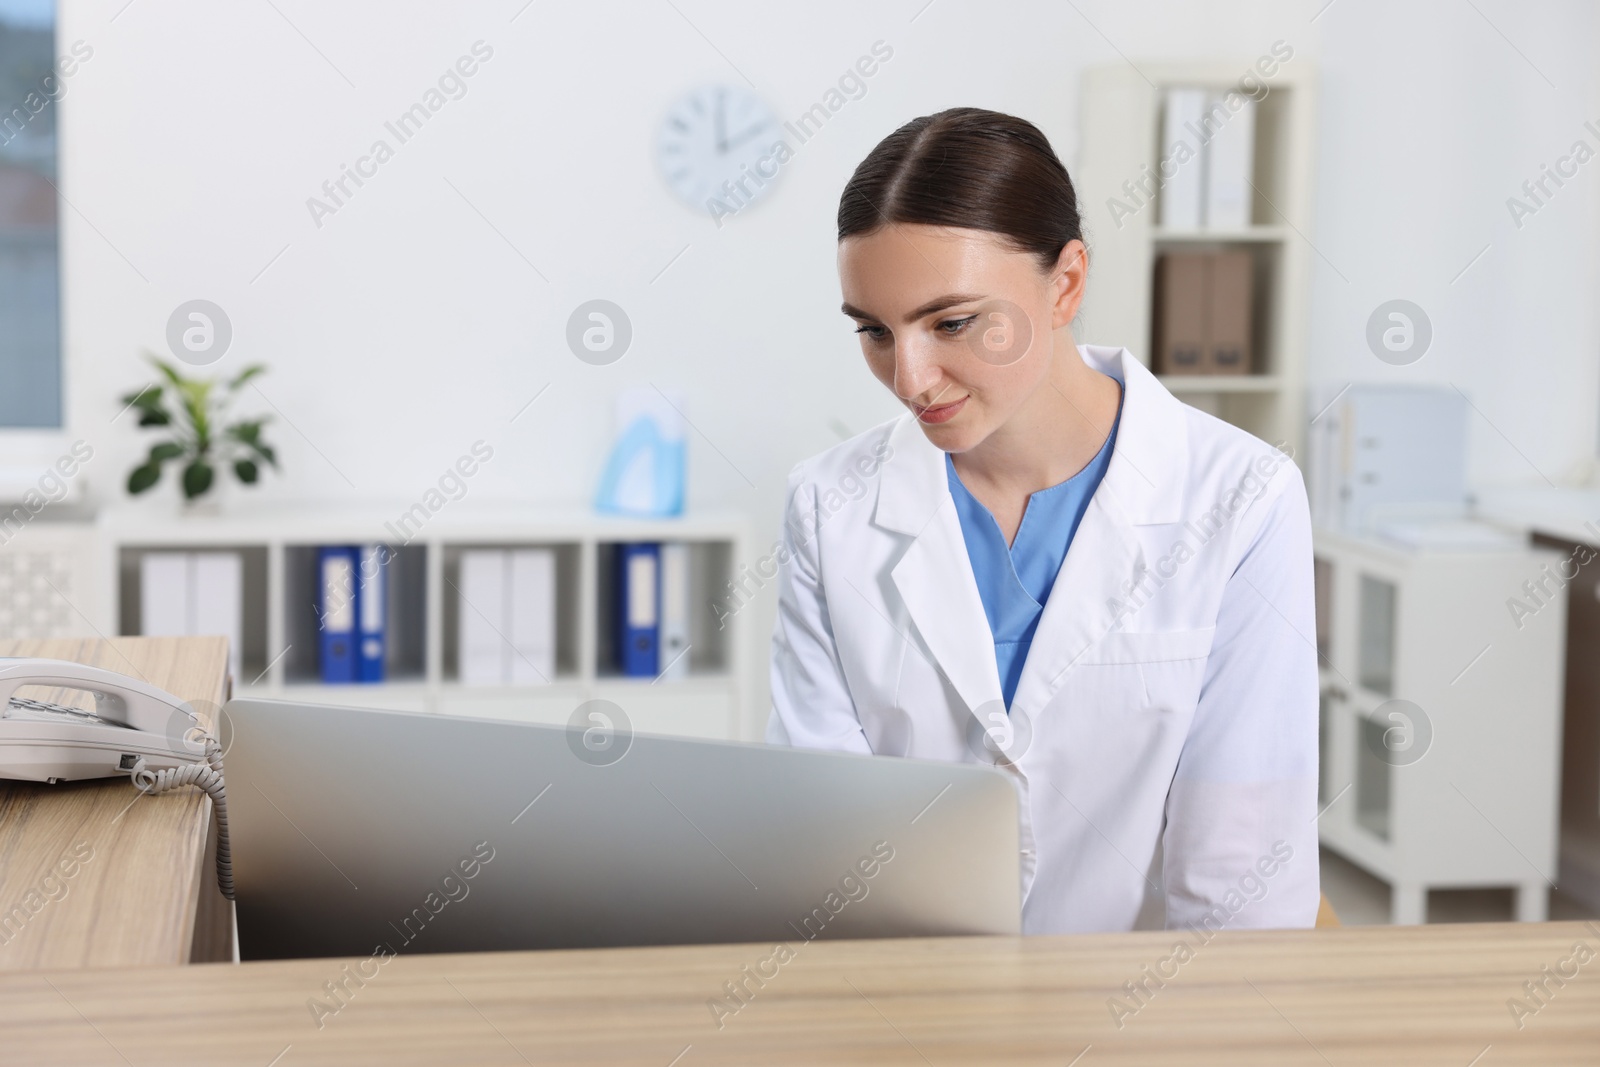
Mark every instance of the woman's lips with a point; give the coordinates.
(939, 413)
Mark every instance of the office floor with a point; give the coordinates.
(1362, 900)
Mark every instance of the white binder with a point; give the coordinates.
(1230, 158)
(674, 610)
(185, 594)
(532, 617)
(482, 643)
(164, 594)
(507, 616)
(1183, 194)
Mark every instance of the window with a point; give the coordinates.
(30, 277)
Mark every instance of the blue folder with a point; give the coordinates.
(371, 607)
(336, 609)
(639, 609)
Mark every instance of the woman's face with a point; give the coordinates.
(957, 323)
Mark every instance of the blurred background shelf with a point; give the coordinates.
(1120, 143)
(280, 622)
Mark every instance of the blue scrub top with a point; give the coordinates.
(1014, 582)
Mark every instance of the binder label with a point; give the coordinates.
(641, 591)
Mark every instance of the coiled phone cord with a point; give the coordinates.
(207, 776)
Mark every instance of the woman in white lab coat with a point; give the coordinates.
(1050, 563)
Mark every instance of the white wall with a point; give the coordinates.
(1431, 119)
(405, 327)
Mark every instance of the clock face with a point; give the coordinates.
(717, 148)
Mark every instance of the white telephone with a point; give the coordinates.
(135, 729)
(132, 720)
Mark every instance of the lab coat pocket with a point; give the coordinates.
(1156, 670)
(1156, 646)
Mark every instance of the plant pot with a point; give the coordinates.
(206, 505)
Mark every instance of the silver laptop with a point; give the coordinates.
(354, 830)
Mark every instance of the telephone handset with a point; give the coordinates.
(134, 729)
(132, 720)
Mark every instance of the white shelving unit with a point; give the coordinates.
(280, 638)
(1476, 804)
(1121, 135)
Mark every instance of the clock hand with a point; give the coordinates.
(746, 135)
(722, 125)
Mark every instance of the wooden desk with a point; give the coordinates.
(147, 894)
(1374, 995)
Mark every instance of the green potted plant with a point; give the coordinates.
(200, 439)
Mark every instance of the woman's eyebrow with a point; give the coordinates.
(940, 303)
(935, 305)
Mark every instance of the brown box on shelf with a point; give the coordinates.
(1180, 312)
(1227, 349)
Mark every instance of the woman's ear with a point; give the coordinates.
(1068, 278)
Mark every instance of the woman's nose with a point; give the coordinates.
(915, 370)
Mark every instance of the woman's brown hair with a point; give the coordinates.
(967, 168)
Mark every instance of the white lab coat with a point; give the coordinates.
(1170, 689)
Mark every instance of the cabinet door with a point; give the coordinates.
(1377, 609)
(1373, 792)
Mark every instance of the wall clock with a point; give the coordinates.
(719, 148)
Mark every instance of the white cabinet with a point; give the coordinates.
(279, 543)
(1441, 716)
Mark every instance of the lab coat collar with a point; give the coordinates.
(1149, 465)
(1143, 484)
(1147, 473)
